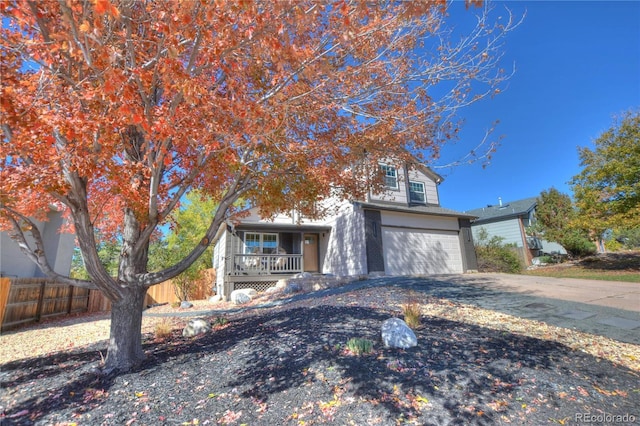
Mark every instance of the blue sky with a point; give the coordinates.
(577, 66)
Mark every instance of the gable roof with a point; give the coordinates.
(504, 211)
(427, 171)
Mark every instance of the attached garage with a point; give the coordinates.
(409, 251)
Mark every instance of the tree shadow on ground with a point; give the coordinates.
(293, 362)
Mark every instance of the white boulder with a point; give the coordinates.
(196, 327)
(397, 334)
(243, 295)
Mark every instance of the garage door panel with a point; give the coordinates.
(421, 252)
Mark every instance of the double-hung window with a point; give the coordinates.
(416, 192)
(260, 243)
(390, 176)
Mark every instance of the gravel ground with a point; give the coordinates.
(289, 365)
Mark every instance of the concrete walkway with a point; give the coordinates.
(605, 308)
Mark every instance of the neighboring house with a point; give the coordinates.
(510, 222)
(404, 231)
(58, 248)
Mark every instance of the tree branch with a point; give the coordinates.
(36, 254)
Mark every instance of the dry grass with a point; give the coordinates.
(163, 329)
(411, 311)
(618, 266)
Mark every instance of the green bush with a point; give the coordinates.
(493, 256)
(578, 245)
(220, 321)
(360, 346)
(628, 238)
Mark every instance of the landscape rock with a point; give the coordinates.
(303, 275)
(186, 305)
(292, 288)
(215, 299)
(195, 327)
(397, 334)
(242, 296)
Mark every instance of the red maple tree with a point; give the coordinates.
(113, 110)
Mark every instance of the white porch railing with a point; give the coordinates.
(266, 264)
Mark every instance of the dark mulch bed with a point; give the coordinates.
(289, 366)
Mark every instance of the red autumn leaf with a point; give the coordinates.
(102, 6)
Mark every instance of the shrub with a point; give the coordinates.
(360, 346)
(411, 311)
(493, 256)
(578, 245)
(220, 321)
(163, 329)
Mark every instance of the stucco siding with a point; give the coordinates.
(219, 263)
(58, 248)
(346, 248)
(12, 261)
(509, 230)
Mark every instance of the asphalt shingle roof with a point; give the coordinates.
(511, 209)
(434, 210)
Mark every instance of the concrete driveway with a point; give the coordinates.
(612, 294)
(606, 308)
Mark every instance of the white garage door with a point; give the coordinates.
(420, 252)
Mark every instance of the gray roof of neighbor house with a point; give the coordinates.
(503, 210)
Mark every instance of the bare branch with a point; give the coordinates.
(21, 224)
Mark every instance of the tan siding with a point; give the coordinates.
(401, 195)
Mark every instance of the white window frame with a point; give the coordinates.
(387, 176)
(411, 192)
(261, 247)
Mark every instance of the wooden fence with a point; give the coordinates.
(27, 300)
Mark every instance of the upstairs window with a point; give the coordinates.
(416, 192)
(390, 176)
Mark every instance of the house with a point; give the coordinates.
(58, 248)
(403, 231)
(510, 222)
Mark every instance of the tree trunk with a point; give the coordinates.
(125, 338)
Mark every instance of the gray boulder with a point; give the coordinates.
(195, 327)
(186, 305)
(291, 288)
(397, 334)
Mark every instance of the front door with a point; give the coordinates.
(310, 253)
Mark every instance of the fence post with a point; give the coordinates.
(40, 298)
(5, 289)
(70, 303)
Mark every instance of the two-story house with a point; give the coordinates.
(403, 231)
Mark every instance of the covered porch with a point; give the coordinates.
(259, 255)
